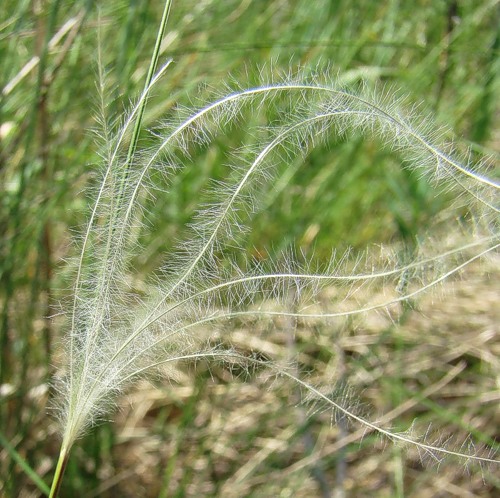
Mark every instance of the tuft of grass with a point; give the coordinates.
(118, 335)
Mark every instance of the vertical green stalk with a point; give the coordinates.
(59, 473)
(152, 67)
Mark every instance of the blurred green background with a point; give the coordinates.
(349, 193)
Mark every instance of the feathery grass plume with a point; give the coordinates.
(118, 336)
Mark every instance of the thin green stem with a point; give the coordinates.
(152, 67)
(59, 473)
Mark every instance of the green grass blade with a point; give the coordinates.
(24, 465)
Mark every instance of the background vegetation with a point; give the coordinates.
(216, 433)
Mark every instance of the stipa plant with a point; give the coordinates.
(118, 336)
